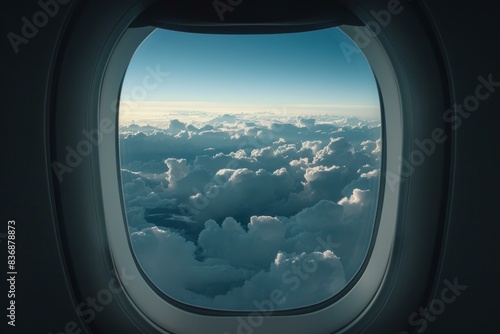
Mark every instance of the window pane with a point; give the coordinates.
(250, 166)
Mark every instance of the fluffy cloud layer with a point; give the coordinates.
(229, 213)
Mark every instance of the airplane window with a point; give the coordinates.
(250, 166)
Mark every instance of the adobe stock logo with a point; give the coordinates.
(30, 27)
(93, 305)
(365, 35)
(436, 307)
(456, 116)
(292, 279)
(222, 7)
(91, 139)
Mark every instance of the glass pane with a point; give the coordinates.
(250, 166)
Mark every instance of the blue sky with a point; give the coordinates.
(307, 70)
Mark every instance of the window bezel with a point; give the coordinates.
(332, 314)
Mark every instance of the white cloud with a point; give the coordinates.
(177, 169)
(246, 203)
